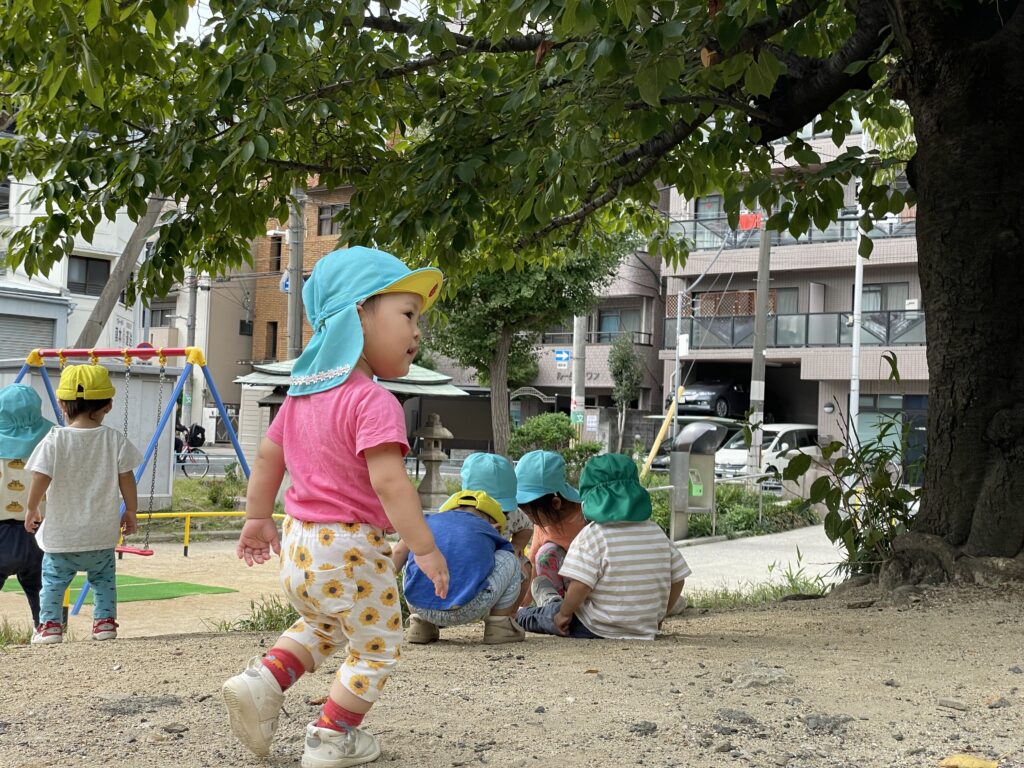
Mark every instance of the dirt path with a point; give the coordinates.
(895, 684)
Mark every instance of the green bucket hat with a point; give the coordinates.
(341, 280)
(611, 491)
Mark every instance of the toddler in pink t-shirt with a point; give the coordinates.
(342, 438)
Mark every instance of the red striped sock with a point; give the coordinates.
(284, 666)
(337, 718)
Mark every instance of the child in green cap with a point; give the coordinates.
(623, 573)
(22, 426)
(342, 438)
(84, 470)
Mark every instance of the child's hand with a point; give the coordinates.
(562, 623)
(258, 538)
(129, 523)
(32, 520)
(436, 567)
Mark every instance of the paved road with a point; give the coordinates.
(741, 561)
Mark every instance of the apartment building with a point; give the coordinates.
(811, 298)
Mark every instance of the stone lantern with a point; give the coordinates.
(432, 491)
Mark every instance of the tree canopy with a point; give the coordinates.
(508, 129)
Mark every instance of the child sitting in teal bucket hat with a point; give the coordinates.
(623, 573)
(22, 427)
(342, 438)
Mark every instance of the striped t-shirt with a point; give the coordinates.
(630, 568)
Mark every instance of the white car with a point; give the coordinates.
(779, 444)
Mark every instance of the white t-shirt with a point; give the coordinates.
(83, 500)
(630, 568)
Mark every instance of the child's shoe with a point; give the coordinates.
(326, 748)
(421, 631)
(50, 632)
(502, 629)
(254, 701)
(104, 629)
(543, 591)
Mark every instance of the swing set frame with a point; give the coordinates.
(36, 363)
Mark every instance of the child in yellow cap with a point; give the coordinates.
(486, 577)
(83, 470)
(343, 440)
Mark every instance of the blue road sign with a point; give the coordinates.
(563, 355)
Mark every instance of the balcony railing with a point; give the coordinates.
(814, 329)
(564, 338)
(710, 233)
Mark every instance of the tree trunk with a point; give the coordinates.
(499, 392)
(119, 275)
(622, 426)
(966, 94)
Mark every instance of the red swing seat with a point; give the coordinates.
(126, 550)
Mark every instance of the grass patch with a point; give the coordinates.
(780, 585)
(266, 614)
(14, 632)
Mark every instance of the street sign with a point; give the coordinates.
(283, 285)
(562, 357)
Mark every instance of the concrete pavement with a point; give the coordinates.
(738, 562)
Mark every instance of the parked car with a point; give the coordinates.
(720, 397)
(779, 444)
(661, 461)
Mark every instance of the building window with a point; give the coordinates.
(885, 297)
(271, 341)
(161, 315)
(326, 223)
(87, 276)
(245, 327)
(5, 198)
(612, 322)
(275, 253)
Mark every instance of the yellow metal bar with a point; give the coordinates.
(188, 529)
(670, 414)
(183, 515)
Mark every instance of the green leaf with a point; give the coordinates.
(797, 466)
(760, 78)
(248, 149)
(865, 246)
(92, 14)
(268, 64)
(894, 369)
(262, 147)
(819, 489)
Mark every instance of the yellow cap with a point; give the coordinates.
(479, 501)
(86, 382)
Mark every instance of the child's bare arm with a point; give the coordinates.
(402, 505)
(575, 594)
(399, 554)
(259, 534)
(130, 494)
(673, 594)
(36, 492)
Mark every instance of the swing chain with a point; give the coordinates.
(156, 451)
(127, 389)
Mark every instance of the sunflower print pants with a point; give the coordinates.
(340, 579)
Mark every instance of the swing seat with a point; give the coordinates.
(125, 550)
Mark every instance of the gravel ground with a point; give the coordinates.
(895, 682)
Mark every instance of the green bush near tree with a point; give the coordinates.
(554, 432)
(738, 512)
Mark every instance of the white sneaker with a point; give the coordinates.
(254, 701)
(543, 591)
(50, 632)
(326, 748)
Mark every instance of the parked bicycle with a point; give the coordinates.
(188, 455)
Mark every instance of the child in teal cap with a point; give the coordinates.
(623, 573)
(342, 438)
(553, 506)
(22, 426)
(509, 573)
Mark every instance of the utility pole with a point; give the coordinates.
(190, 336)
(682, 349)
(858, 306)
(577, 407)
(760, 342)
(296, 240)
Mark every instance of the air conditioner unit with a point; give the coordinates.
(912, 305)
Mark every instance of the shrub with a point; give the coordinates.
(554, 432)
(222, 492)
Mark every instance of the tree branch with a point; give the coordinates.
(646, 156)
(768, 27)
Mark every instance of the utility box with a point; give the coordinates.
(692, 474)
(210, 416)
